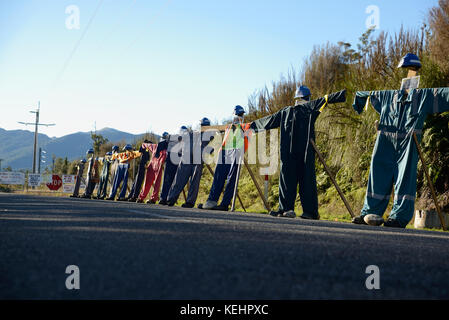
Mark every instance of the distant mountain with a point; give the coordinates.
(16, 146)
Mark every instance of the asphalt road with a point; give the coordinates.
(140, 251)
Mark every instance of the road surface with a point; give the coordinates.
(138, 251)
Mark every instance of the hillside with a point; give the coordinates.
(16, 146)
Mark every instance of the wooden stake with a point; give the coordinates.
(412, 73)
(429, 181)
(236, 186)
(265, 202)
(220, 128)
(342, 196)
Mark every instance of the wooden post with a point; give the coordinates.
(109, 185)
(128, 184)
(342, 196)
(429, 181)
(236, 186)
(220, 128)
(259, 190)
(412, 73)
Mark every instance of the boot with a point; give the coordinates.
(187, 205)
(278, 213)
(221, 208)
(358, 220)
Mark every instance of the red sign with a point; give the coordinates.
(56, 183)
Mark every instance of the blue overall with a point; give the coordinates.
(190, 169)
(140, 176)
(78, 180)
(102, 187)
(297, 172)
(231, 157)
(121, 174)
(90, 184)
(225, 172)
(170, 167)
(395, 155)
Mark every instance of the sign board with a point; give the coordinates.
(12, 178)
(46, 178)
(410, 83)
(34, 179)
(68, 179)
(68, 183)
(56, 183)
(68, 188)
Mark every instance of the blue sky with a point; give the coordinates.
(154, 65)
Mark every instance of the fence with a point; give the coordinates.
(35, 181)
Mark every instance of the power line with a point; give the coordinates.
(77, 44)
(151, 21)
(118, 24)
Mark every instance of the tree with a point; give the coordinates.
(98, 140)
(439, 35)
(53, 158)
(65, 166)
(61, 166)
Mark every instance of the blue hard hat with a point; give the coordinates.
(410, 60)
(90, 151)
(205, 122)
(239, 111)
(303, 93)
(109, 153)
(128, 147)
(183, 129)
(83, 161)
(115, 148)
(165, 135)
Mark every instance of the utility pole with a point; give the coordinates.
(36, 125)
(1, 164)
(53, 157)
(39, 163)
